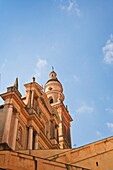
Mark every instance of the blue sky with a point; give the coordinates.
(74, 36)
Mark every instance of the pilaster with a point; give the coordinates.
(15, 130)
(7, 125)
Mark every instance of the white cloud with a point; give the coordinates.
(84, 108)
(108, 51)
(41, 63)
(70, 6)
(76, 78)
(40, 67)
(110, 126)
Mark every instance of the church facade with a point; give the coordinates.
(39, 120)
(35, 132)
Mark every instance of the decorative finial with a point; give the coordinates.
(52, 68)
(33, 79)
(16, 83)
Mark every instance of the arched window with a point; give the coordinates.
(50, 88)
(51, 100)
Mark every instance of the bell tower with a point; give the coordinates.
(54, 91)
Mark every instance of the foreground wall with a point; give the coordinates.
(16, 161)
(95, 156)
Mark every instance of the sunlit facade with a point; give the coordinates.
(35, 132)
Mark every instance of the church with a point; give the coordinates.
(35, 132)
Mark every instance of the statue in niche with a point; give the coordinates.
(19, 135)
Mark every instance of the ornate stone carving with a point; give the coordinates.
(19, 135)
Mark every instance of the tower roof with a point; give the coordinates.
(53, 76)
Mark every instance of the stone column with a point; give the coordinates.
(36, 141)
(7, 125)
(32, 98)
(30, 137)
(28, 98)
(15, 127)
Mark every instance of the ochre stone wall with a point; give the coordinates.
(95, 156)
(48, 153)
(17, 161)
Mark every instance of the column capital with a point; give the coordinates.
(17, 114)
(31, 127)
(33, 89)
(9, 105)
(37, 133)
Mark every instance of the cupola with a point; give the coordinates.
(53, 88)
